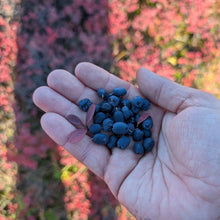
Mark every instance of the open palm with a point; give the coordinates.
(180, 178)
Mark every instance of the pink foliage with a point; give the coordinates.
(154, 33)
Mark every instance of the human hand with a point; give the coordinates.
(180, 178)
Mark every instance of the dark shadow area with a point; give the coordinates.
(52, 35)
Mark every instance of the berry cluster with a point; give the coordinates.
(115, 121)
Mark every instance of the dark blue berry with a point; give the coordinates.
(107, 115)
(132, 120)
(106, 97)
(99, 117)
(147, 133)
(119, 91)
(138, 101)
(115, 109)
(134, 109)
(137, 117)
(118, 116)
(114, 100)
(100, 139)
(120, 128)
(148, 123)
(131, 128)
(97, 108)
(146, 105)
(126, 102)
(101, 93)
(138, 148)
(148, 144)
(112, 141)
(85, 104)
(107, 124)
(127, 112)
(138, 135)
(123, 142)
(95, 128)
(105, 107)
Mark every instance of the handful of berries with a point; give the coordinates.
(115, 121)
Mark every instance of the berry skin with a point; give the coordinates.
(137, 117)
(107, 124)
(99, 117)
(137, 101)
(118, 116)
(107, 115)
(100, 139)
(127, 112)
(84, 104)
(95, 128)
(113, 100)
(148, 144)
(123, 142)
(138, 148)
(147, 133)
(146, 105)
(119, 91)
(105, 107)
(115, 109)
(97, 108)
(112, 141)
(120, 128)
(138, 135)
(131, 128)
(132, 120)
(126, 102)
(148, 123)
(101, 93)
(134, 109)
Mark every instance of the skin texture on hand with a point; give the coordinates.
(180, 178)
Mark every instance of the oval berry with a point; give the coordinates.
(100, 138)
(95, 128)
(99, 117)
(119, 91)
(112, 141)
(84, 104)
(107, 124)
(148, 144)
(138, 135)
(113, 100)
(138, 148)
(118, 116)
(123, 142)
(148, 123)
(120, 128)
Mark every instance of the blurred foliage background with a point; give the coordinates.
(177, 39)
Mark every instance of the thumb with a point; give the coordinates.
(170, 95)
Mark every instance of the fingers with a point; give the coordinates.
(114, 168)
(50, 101)
(70, 87)
(95, 157)
(96, 77)
(170, 95)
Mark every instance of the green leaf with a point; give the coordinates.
(50, 215)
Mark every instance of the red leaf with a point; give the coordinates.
(73, 119)
(143, 117)
(89, 115)
(76, 135)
